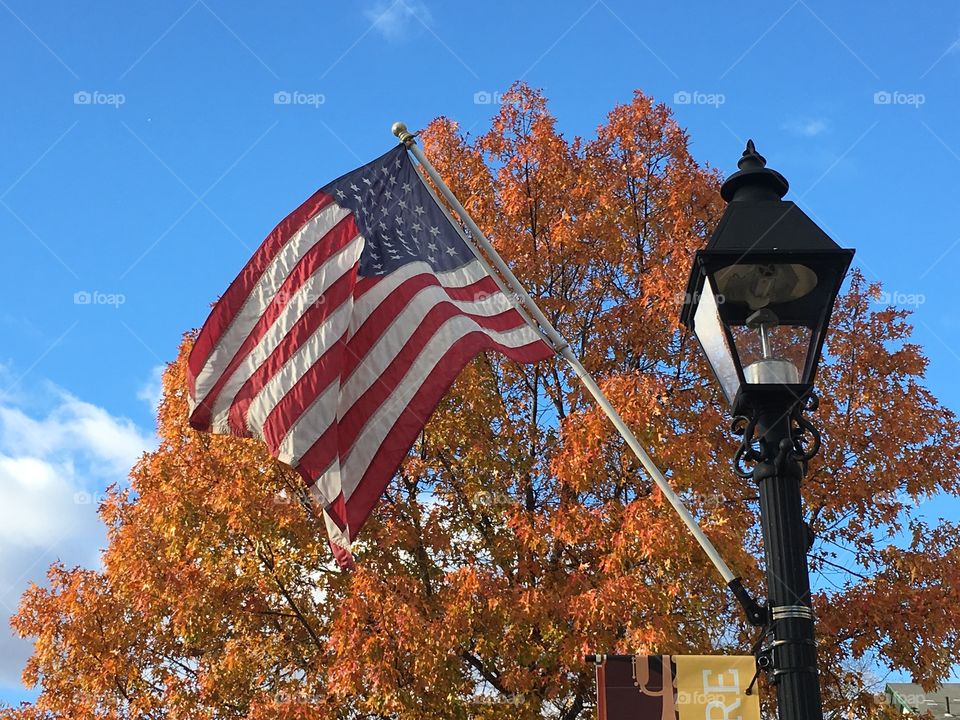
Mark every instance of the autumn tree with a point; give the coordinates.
(520, 533)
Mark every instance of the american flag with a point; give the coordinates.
(342, 333)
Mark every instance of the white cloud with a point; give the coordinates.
(38, 500)
(73, 427)
(152, 390)
(54, 466)
(807, 127)
(394, 18)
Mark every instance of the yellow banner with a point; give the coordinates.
(713, 687)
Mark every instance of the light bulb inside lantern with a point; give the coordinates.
(769, 369)
(760, 285)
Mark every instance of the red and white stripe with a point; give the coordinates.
(338, 373)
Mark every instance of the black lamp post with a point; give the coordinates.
(759, 302)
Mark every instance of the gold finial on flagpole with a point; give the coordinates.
(405, 136)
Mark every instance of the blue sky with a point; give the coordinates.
(146, 152)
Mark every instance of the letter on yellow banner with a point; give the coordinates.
(713, 687)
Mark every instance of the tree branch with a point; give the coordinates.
(268, 563)
(489, 675)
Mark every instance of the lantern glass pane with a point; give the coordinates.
(709, 330)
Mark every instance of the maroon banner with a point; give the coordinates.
(637, 688)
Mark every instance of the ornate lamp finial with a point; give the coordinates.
(754, 180)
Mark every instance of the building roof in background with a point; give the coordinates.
(944, 702)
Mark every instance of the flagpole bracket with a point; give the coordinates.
(755, 612)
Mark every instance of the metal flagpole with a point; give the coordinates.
(519, 296)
